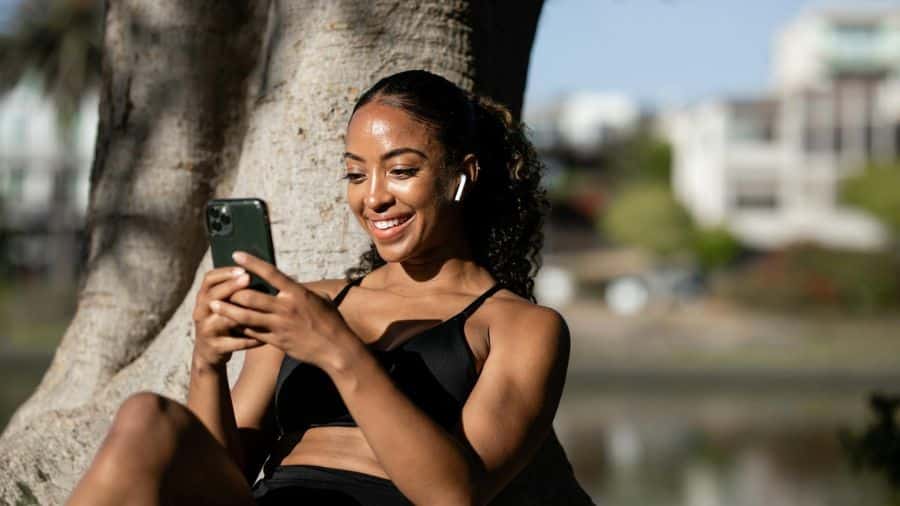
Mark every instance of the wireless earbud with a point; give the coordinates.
(459, 189)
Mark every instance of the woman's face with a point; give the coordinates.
(397, 184)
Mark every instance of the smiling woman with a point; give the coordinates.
(428, 376)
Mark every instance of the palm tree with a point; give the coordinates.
(59, 41)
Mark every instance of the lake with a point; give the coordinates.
(654, 439)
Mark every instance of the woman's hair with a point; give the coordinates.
(503, 211)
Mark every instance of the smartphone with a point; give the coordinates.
(240, 225)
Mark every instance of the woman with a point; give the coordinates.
(431, 377)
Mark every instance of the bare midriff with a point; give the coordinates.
(335, 447)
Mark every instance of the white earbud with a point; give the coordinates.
(459, 189)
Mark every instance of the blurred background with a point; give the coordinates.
(724, 239)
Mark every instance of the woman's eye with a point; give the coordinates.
(404, 172)
(354, 177)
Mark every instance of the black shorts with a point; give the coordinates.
(301, 485)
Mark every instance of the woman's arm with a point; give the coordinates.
(507, 415)
(208, 392)
(239, 419)
(210, 399)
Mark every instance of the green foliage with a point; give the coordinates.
(714, 248)
(4, 243)
(60, 41)
(647, 215)
(877, 190)
(805, 277)
(878, 447)
(641, 157)
(644, 212)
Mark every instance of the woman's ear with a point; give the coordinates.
(468, 174)
(470, 167)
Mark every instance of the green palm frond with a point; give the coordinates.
(60, 41)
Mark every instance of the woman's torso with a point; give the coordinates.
(374, 315)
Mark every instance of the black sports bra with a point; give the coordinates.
(435, 369)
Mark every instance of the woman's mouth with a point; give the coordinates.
(386, 229)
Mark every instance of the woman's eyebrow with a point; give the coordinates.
(390, 154)
(402, 151)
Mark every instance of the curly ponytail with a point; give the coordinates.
(503, 213)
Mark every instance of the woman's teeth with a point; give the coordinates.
(386, 224)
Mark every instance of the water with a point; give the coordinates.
(717, 444)
(655, 440)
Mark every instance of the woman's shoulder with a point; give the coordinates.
(511, 314)
(326, 287)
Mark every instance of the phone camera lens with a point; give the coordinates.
(216, 226)
(226, 219)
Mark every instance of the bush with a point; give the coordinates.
(714, 247)
(642, 157)
(877, 190)
(811, 277)
(646, 215)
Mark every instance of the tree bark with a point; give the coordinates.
(206, 99)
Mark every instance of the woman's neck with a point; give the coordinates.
(453, 273)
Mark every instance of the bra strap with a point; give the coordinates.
(343, 293)
(471, 308)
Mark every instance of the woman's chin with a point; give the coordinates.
(391, 253)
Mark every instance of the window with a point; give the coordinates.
(855, 34)
(753, 121)
(755, 194)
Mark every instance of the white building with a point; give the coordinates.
(582, 122)
(768, 168)
(44, 180)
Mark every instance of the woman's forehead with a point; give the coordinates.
(387, 124)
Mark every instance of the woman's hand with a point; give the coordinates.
(213, 345)
(302, 323)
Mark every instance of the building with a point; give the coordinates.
(44, 180)
(769, 167)
(582, 123)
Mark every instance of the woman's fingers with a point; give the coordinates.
(254, 299)
(218, 275)
(226, 288)
(227, 344)
(264, 270)
(224, 280)
(243, 316)
(259, 335)
(216, 324)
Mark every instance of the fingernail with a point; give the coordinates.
(237, 272)
(238, 256)
(215, 305)
(243, 279)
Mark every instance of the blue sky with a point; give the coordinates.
(660, 51)
(7, 7)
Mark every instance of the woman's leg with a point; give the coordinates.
(158, 452)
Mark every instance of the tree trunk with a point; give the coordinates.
(204, 99)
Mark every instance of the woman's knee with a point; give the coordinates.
(143, 436)
(145, 414)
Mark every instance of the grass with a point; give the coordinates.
(34, 314)
(33, 317)
(18, 378)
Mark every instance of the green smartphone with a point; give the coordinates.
(240, 225)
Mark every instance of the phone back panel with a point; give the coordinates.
(240, 225)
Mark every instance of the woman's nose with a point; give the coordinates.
(378, 197)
